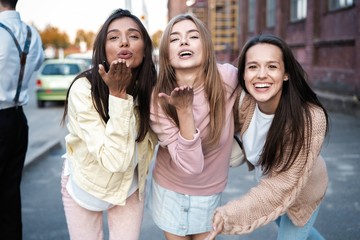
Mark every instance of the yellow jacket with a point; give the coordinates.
(102, 157)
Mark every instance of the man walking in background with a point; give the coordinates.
(21, 54)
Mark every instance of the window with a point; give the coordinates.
(251, 17)
(270, 13)
(338, 4)
(224, 25)
(61, 69)
(298, 10)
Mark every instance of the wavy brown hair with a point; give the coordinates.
(143, 77)
(213, 83)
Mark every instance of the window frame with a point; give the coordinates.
(298, 10)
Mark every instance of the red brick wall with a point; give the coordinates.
(327, 44)
(176, 7)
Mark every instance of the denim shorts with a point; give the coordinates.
(181, 214)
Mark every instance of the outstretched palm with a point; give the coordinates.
(181, 97)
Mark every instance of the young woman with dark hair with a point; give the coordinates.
(110, 143)
(282, 127)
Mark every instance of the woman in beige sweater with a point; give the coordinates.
(282, 127)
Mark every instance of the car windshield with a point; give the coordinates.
(61, 69)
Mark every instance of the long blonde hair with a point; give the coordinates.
(213, 83)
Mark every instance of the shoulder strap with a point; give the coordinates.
(22, 54)
(13, 37)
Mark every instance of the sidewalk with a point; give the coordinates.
(40, 140)
(340, 103)
(45, 131)
(338, 218)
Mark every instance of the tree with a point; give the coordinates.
(87, 37)
(156, 38)
(51, 36)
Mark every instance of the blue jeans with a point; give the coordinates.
(288, 231)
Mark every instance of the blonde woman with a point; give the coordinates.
(191, 113)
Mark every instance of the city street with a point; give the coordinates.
(339, 216)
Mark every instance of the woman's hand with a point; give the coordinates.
(218, 225)
(181, 97)
(117, 78)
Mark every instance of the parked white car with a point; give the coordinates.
(54, 78)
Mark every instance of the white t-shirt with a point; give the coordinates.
(87, 200)
(254, 138)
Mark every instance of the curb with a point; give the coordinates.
(35, 153)
(340, 103)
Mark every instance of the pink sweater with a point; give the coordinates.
(297, 191)
(183, 165)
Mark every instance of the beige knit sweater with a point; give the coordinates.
(297, 191)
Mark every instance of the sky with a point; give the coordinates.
(71, 15)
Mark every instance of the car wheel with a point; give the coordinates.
(40, 103)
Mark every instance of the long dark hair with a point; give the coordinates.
(292, 118)
(143, 77)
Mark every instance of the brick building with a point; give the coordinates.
(176, 7)
(323, 34)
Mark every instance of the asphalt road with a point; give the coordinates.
(339, 216)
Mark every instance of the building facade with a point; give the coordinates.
(323, 34)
